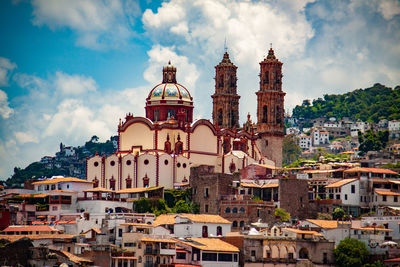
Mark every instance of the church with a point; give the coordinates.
(160, 149)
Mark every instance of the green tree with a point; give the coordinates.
(371, 141)
(282, 214)
(338, 213)
(351, 252)
(290, 149)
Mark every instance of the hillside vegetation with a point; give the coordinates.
(370, 104)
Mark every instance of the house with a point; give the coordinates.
(206, 252)
(194, 225)
(348, 191)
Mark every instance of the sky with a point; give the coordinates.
(69, 69)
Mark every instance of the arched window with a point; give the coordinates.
(227, 145)
(234, 210)
(303, 253)
(221, 81)
(156, 115)
(219, 230)
(266, 77)
(241, 210)
(205, 231)
(228, 210)
(112, 183)
(220, 117)
(146, 181)
(95, 183)
(241, 224)
(128, 182)
(278, 115)
(232, 81)
(234, 224)
(265, 114)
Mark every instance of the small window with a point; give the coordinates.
(178, 165)
(234, 210)
(96, 164)
(395, 199)
(345, 196)
(146, 162)
(384, 198)
(184, 165)
(206, 208)
(128, 162)
(166, 162)
(353, 189)
(112, 163)
(228, 210)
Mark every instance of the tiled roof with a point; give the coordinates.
(372, 170)
(13, 238)
(340, 183)
(144, 225)
(163, 240)
(164, 219)
(30, 228)
(210, 244)
(53, 222)
(327, 224)
(75, 258)
(372, 229)
(258, 185)
(98, 189)
(34, 195)
(386, 192)
(126, 258)
(298, 231)
(138, 190)
(62, 180)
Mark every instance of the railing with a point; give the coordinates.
(152, 251)
(101, 198)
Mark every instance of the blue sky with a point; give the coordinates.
(69, 69)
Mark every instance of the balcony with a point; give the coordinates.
(149, 251)
(167, 251)
(42, 207)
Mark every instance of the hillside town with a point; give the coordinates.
(183, 192)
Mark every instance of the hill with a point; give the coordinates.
(370, 104)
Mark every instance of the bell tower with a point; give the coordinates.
(270, 108)
(225, 98)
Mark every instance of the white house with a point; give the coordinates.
(348, 191)
(194, 225)
(305, 141)
(63, 183)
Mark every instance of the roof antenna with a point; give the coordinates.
(270, 45)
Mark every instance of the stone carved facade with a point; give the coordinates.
(270, 108)
(225, 98)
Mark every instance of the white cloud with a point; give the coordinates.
(98, 23)
(25, 138)
(389, 8)
(74, 84)
(326, 47)
(6, 66)
(5, 110)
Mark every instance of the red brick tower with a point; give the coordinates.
(270, 108)
(225, 98)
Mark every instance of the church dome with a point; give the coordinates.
(169, 91)
(169, 99)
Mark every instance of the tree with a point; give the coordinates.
(351, 252)
(290, 149)
(338, 213)
(94, 139)
(371, 141)
(282, 214)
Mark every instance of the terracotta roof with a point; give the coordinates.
(373, 170)
(164, 240)
(372, 229)
(138, 190)
(298, 231)
(99, 189)
(386, 192)
(327, 224)
(30, 228)
(259, 185)
(52, 222)
(210, 244)
(395, 259)
(64, 191)
(13, 238)
(74, 258)
(62, 180)
(164, 219)
(340, 183)
(322, 171)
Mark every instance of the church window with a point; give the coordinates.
(166, 162)
(95, 183)
(233, 119)
(156, 115)
(128, 162)
(96, 164)
(241, 210)
(178, 147)
(128, 183)
(278, 115)
(178, 165)
(112, 163)
(146, 181)
(265, 114)
(221, 81)
(234, 224)
(171, 113)
(112, 183)
(232, 81)
(234, 210)
(146, 162)
(277, 77)
(227, 145)
(266, 77)
(184, 165)
(220, 117)
(228, 210)
(241, 224)
(232, 167)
